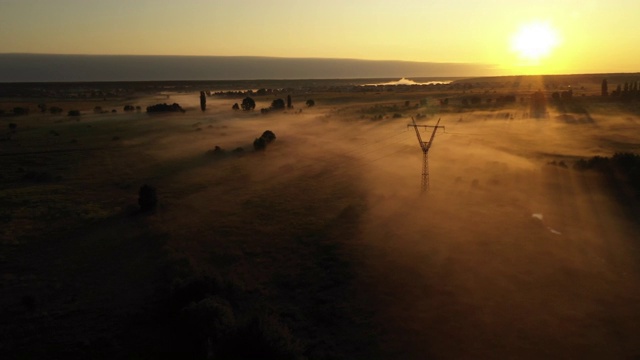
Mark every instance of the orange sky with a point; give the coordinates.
(590, 35)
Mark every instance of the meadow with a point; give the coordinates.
(322, 246)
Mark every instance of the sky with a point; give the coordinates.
(588, 36)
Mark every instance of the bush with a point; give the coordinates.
(269, 136)
(265, 139)
(259, 144)
(217, 151)
(159, 108)
(248, 104)
(147, 198)
(73, 113)
(310, 103)
(128, 108)
(277, 104)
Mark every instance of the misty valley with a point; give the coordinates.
(289, 219)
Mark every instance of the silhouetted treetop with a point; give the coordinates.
(248, 104)
(277, 104)
(158, 108)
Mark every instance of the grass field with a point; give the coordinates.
(322, 246)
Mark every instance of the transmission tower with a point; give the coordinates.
(425, 146)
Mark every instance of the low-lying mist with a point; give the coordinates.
(510, 253)
(504, 255)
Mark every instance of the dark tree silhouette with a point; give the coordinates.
(129, 108)
(259, 144)
(158, 108)
(277, 104)
(265, 139)
(310, 103)
(73, 113)
(248, 104)
(289, 105)
(235, 106)
(203, 101)
(269, 136)
(605, 88)
(147, 198)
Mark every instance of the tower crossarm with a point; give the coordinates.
(425, 145)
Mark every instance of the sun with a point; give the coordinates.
(535, 41)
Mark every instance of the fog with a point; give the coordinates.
(504, 256)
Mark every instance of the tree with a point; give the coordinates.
(158, 108)
(235, 106)
(277, 104)
(259, 144)
(289, 105)
(310, 103)
(248, 104)
(147, 198)
(265, 139)
(269, 136)
(203, 101)
(605, 88)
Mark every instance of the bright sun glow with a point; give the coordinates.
(534, 41)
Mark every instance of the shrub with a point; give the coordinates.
(248, 104)
(265, 139)
(217, 151)
(259, 144)
(73, 113)
(235, 106)
(147, 198)
(269, 136)
(128, 108)
(310, 103)
(277, 104)
(159, 108)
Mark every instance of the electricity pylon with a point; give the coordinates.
(425, 146)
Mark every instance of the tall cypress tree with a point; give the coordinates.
(605, 88)
(203, 101)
